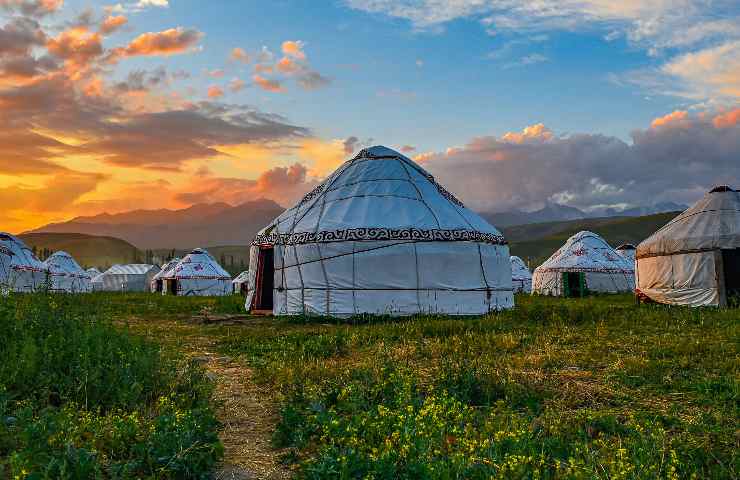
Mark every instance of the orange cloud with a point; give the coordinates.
(728, 119)
(215, 92)
(168, 42)
(267, 84)
(77, 46)
(236, 85)
(112, 23)
(239, 55)
(674, 118)
(288, 66)
(33, 7)
(533, 132)
(294, 48)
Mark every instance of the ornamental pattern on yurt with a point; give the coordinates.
(380, 236)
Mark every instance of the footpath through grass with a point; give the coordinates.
(593, 388)
(82, 398)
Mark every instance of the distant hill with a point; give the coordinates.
(197, 226)
(88, 250)
(536, 242)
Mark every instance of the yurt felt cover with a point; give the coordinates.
(585, 252)
(381, 236)
(22, 271)
(126, 278)
(167, 269)
(627, 250)
(66, 275)
(678, 264)
(521, 277)
(93, 272)
(200, 274)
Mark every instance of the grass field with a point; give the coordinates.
(592, 388)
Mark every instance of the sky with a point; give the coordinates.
(142, 104)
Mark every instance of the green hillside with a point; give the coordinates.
(536, 242)
(88, 250)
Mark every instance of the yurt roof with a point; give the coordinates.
(199, 264)
(519, 270)
(21, 256)
(710, 224)
(93, 271)
(63, 263)
(379, 194)
(242, 277)
(586, 252)
(626, 246)
(130, 269)
(167, 268)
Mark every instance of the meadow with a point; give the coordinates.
(578, 388)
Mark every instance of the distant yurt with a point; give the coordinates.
(66, 275)
(125, 278)
(627, 250)
(521, 277)
(586, 263)
(379, 236)
(158, 283)
(198, 274)
(241, 283)
(695, 259)
(21, 270)
(93, 272)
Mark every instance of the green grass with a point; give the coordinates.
(83, 398)
(594, 388)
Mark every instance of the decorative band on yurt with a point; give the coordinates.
(379, 234)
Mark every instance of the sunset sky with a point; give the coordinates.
(110, 107)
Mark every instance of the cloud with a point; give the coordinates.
(219, 73)
(269, 85)
(112, 23)
(215, 91)
(408, 149)
(350, 145)
(294, 49)
(20, 35)
(141, 81)
(312, 80)
(531, 59)
(139, 6)
(77, 46)
(237, 85)
(709, 73)
(58, 194)
(677, 159)
(676, 118)
(239, 55)
(168, 42)
(32, 8)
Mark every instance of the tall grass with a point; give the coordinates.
(80, 398)
(587, 388)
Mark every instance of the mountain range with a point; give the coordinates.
(220, 224)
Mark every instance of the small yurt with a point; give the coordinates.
(695, 259)
(521, 277)
(198, 274)
(586, 263)
(21, 270)
(66, 275)
(379, 236)
(125, 278)
(158, 283)
(627, 250)
(240, 283)
(93, 272)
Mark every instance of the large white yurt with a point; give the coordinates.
(125, 278)
(586, 263)
(627, 250)
(66, 275)
(695, 259)
(21, 270)
(521, 277)
(198, 274)
(240, 283)
(379, 236)
(158, 284)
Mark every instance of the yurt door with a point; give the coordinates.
(731, 267)
(172, 286)
(574, 284)
(265, 279)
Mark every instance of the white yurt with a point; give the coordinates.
(586, 263)
(240, 283)
(627, 250)
(21, 270)
(695, 259)
(521, 277)
(66, 275)
(198, 274)
(379, 236)
(158, 284)
(93, 272)
(125, 278)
